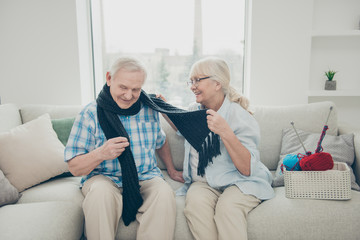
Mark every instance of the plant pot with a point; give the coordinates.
(330, 85)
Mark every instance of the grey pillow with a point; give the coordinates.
(8, 193)
(340, 147)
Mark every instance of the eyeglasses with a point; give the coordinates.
(196, 81)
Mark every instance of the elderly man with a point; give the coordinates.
(112, 145)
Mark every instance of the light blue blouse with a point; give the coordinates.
(222, 173)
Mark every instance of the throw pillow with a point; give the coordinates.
(31, 153)
(8, 193)
(340, 147)
(62, 128)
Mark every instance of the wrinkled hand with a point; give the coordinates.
(176, 175)
(161, 96)
(113, 148)
(216, 123)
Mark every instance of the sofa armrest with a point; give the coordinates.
(345, 129)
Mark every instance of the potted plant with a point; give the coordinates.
(330, 83)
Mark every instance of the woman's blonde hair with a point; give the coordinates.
(220, 72)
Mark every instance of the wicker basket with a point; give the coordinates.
(331, 184)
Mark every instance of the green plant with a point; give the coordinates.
(330, 74)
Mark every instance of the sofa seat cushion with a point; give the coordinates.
(284, 218)
(60, 189)
(41, 221)
(182, 230)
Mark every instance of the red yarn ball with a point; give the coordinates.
(320, 161)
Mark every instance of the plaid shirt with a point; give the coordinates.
(145, 136)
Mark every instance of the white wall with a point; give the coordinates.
(280, 51)
(348, 109)
(338, 47)
(280, 60)
(39, 60)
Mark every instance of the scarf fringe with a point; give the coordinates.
(209, 149)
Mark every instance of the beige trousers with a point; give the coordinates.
(212, 214)
(102, 208)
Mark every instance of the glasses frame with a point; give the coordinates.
(196, 81)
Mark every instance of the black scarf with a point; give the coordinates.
(191, 124)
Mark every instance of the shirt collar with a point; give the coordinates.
(224, 107)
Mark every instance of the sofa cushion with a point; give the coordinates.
(60, 189)
(8, 193)
(272, 120)
(182, 230)
(9, 117)
(176, 143)
(46, 220)
(62, 127)
(31, 153)
(31, 111)
(285, 218)
(340, 147)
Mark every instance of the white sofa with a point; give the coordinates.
(52, 210)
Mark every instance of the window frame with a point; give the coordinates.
(91, 61)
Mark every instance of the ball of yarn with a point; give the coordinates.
(317, 162)
(291, 162)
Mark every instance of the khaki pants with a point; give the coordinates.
(102, 208)
(212, 214)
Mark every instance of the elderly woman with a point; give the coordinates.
(218, 202)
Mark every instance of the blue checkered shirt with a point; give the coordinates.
(145, 136)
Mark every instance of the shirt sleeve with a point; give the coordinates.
(248, 132)
(82, 136)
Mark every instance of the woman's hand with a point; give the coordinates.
(161, 97)
(216, 123)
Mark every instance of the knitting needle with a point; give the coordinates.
(293, 125)
(331, 108)
(318, 147)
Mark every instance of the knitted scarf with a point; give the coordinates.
(191, 124)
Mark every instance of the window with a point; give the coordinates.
(169, 36)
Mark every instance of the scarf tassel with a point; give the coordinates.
(209, 149)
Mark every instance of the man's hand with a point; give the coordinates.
(176, 175)
(113, 148)
(83, 164)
